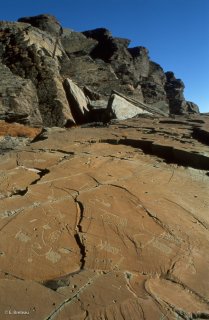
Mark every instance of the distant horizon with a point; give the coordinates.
(174, 32)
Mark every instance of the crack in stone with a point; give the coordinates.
(168, 153)
(78, 231)
(149, 213)
(71, 299)
(156, 300)
(128, 285)
(175, 280)
(18, 192)
(184, 315)
(41, 173)
(200, 315)
(189, 212)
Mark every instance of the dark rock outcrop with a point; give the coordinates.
(36, 51)
(44, 22)
(175, 94)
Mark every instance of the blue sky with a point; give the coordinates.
(176, 32)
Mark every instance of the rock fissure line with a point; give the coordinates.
(19, 192)
(170, 277)
(71, 299)
(180, 313)
(156, 300)
(41, 173)
(203, 224)
(14, 216)
(78, 231)
(149, 213)
(184, 315)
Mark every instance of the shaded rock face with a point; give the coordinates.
(76, 43)
(39, 51)
(106, 223)
(18, 99)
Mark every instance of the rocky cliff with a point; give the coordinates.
(37, 57)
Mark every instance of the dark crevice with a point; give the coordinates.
(170, 277)
(10, 275)
(19, 192)
(169, 154)
(41, 173)
(201, 135)
(79, 230)
(200, 315)
(70, 153)
(55, 284)
(82, 250)
(40, 137)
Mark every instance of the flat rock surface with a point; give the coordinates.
(107, 222)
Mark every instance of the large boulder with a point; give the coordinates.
(77, 101)
(121, 109)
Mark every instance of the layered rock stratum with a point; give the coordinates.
(101, 217)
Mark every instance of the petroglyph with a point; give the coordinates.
(22, 236)
(53, 256)
(106, 246)
(161, 246)
(111, 218)
(54, 236)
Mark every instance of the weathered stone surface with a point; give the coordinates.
(107, 223)
(44, 22)
(32, 306)
(120, 109)
(18, 99)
